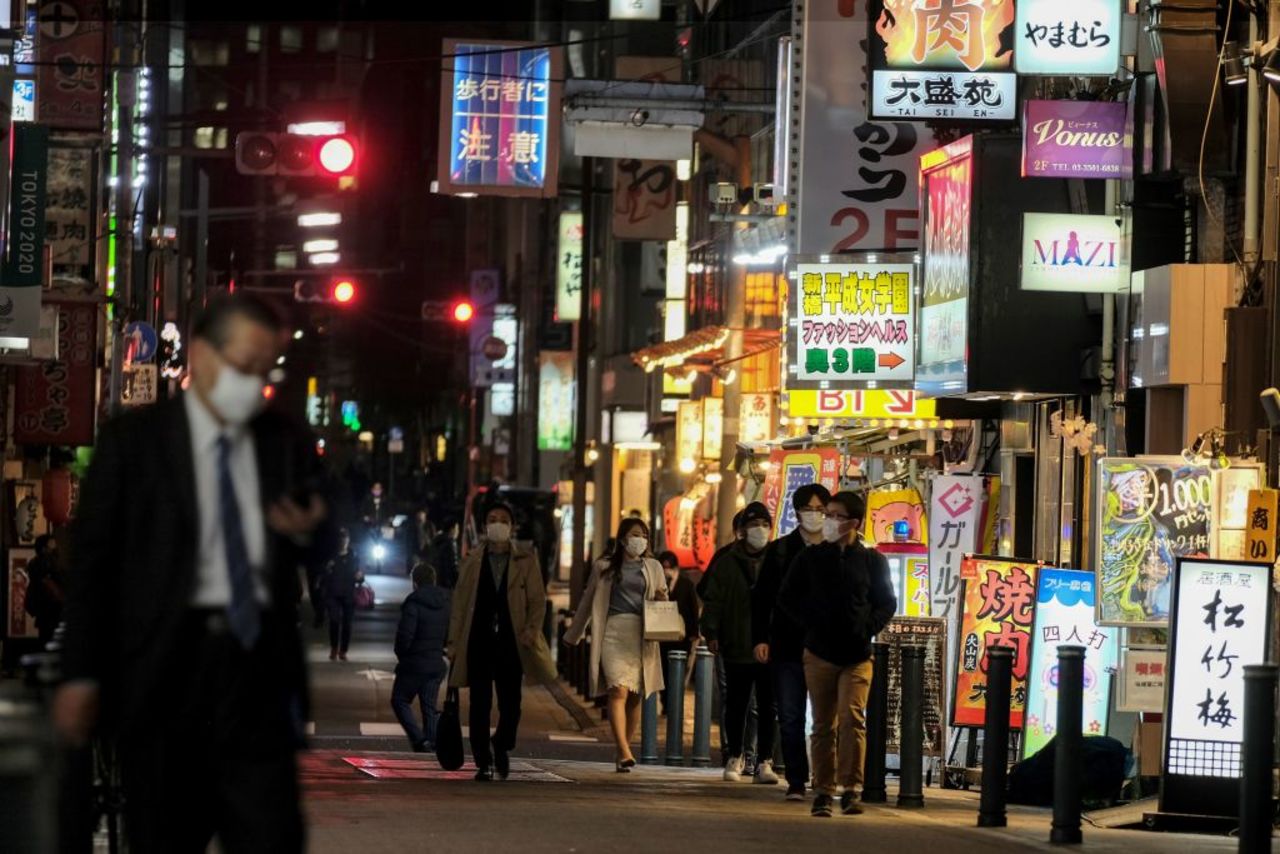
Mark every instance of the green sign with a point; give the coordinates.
(23, 271)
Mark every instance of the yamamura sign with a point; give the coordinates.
(1079, 38)
(1075, 253)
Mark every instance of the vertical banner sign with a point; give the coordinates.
(932, 635)
(909, 571)
(712, 428)
(20, 624)
(499, 119)
(856, 187)
(689, 432)
(68, 215)
(70, 60)
(1065, 614)
(644, 199)
(854, 324)
(23, 274)
(556, 384)
(1076, 39)
(947, 175)
(1076, 139)
(56, 401)
(1220, 625)
(1151, 511)
(569, 267)
(955, 508)
(755, 418)
(1231, 519)
(790, 470)
(1261, 536)
(999, 602)
(887, 509)
(942, 59)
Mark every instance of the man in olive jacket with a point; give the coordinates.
(726, 624)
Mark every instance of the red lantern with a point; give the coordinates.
(59, 504)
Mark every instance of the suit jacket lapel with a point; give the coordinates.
(177, 441)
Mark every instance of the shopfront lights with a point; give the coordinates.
(1234, 72)
(688, 465)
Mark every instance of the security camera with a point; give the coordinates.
(725, 193)
(1271, 406)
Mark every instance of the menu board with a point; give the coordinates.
(931, 633)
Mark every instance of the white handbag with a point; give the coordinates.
(662, 621)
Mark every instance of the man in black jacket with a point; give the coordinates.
(420, 667)
(842, 594)
(779, 640)
(182, 614)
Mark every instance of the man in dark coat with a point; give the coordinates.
(681, 591)
(339, 583)
(420, 640)
(45, 588)
(182, 614)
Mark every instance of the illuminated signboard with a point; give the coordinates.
(569, 268)
(942, 59)
(947, 178)
(556, 384)
(1080, 38)
(1076, 139)
(499, 118)
(859, 403)
(1077, 253)
(999, 603)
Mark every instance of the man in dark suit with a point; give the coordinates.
(182, 641)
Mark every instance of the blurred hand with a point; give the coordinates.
(287, 518)
(661, 594)
(75, 711)
(762, 653)
(714, 646)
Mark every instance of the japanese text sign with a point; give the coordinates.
(569, 267)
(1076, 139)
(499, 118)
(20, 624)
(1151, 511)
(1065, 615)
(689, 431)
(755, 418)
(942, 59)
(70, 60)
(999, 605)
(852, 324)
(955, 509)
(790, 470)
(856, 180)
(68, 212)
(1221, 612)
(909, 571)
(55, 401)
(1261, 538)
(947, 197)
(1231, 522)
(1080, 38)
(556, 385)
(932, 635)
(1142, 681)
(1076, 253)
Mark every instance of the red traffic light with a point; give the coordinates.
(337, 155)
(294, 155)
(463, 312)
(344, 292)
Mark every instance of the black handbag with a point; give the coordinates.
(449, 733)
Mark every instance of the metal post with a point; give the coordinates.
(649, 730)
(675, 706)
(1066, 761)
(702, 679)
(995, 744)
(1256, 810)
(577, 572)
(873, 791)
(911, 749)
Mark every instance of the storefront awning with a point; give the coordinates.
(704, 348)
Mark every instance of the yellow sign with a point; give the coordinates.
(886, 509)
(712, 427)
(689, 433)
(1261, 532)
(869, 403)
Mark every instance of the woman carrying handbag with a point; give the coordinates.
(623, 661)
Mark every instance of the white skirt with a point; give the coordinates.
(622, 653)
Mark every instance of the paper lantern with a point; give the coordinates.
(58, 491)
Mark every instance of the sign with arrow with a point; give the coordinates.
(852, 326)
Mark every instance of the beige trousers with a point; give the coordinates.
(839, 739)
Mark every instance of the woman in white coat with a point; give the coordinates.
(622, 661)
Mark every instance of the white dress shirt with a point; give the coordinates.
(213, 585)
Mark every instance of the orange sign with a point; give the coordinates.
(999, 605)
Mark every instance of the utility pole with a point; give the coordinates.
(1271, 233)
(578, 568)
(126, 98)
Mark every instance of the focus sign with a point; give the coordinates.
(853, 324)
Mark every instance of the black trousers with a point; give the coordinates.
(741, 679)
(493, 667)
(341, 614)
(221, 758)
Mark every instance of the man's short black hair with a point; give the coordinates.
(737, 521)
(213, 322)
(669, 557)
(500, 505)
(801, 497)
(424, 574)
(42, 543)
(853, 504)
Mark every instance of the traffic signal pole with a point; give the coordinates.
(577, 572)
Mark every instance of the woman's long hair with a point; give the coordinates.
(619, 553)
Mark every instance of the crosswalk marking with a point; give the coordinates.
(575, 738)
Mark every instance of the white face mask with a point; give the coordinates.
(831, 530)
(236, 396)
(636, 546)
(811, 520)
(757, 538)
(497, 532)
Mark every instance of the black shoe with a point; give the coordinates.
(485, 775)
(502, 762)
(419, 747)
(821, 806)
(849, 803)
(795, 793)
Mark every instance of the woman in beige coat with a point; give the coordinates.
(621, 659)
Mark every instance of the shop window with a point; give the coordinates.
(220, 138)
(761, 295)
(204, 137)
(760, 373)
(253, 38)
(286, 258)
(290, 39)
(327, 39)
(205, 52)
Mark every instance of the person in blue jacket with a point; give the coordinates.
(421, 667)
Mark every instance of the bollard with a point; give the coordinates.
(649, 730)
(1066, 759)
(911, 748)
(675, 706)
(1256, 811)
(995, 742)
(703, 674)
(873, 791)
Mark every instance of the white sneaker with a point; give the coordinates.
(733, 771)
(765, 773)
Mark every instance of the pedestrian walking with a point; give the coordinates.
(444, 554)
(623, 663)
(420, 663)
(45, 588)
(341, 575)
(779, 640)
(182, 642)
(424, 534)
(726, 624)
(681, 591)
(495, 637)
(841, 593)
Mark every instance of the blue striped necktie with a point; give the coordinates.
(242, 613)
